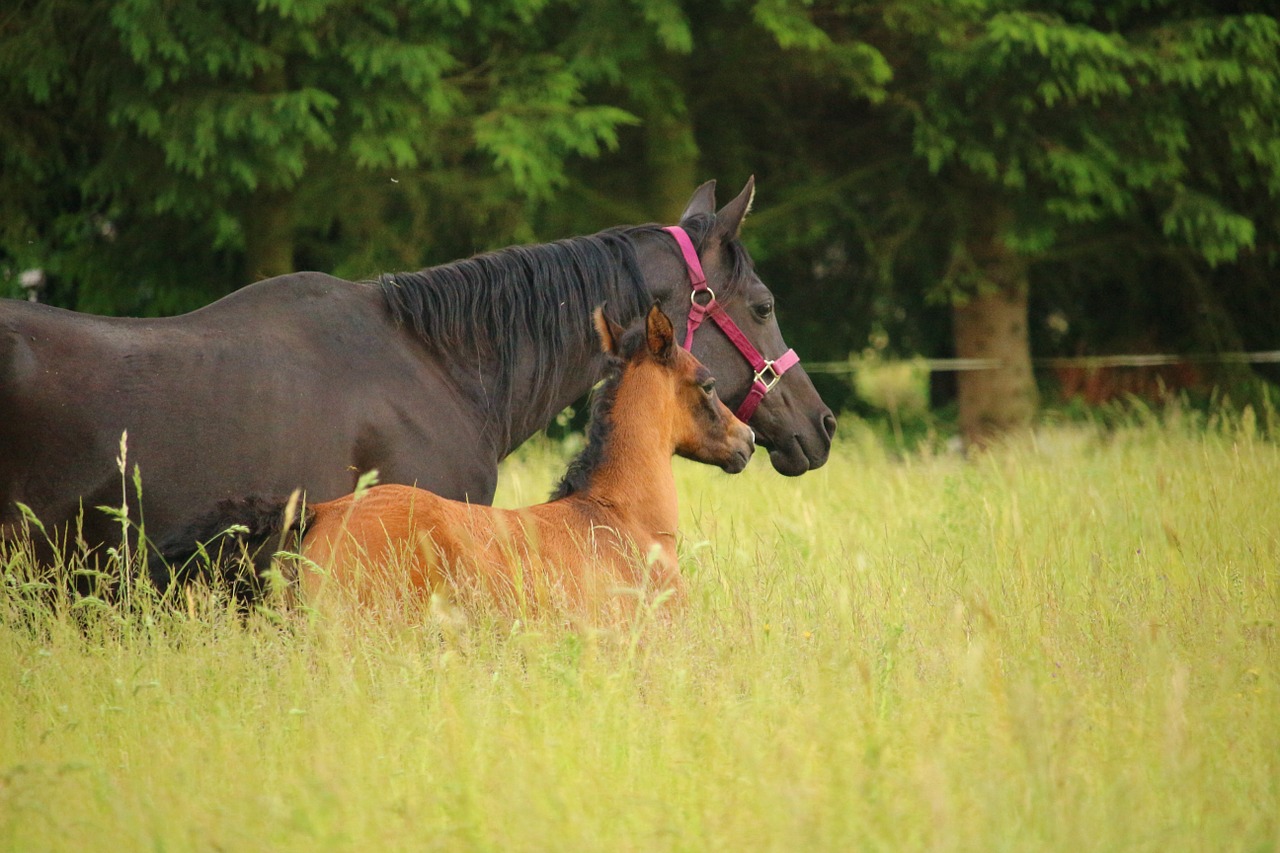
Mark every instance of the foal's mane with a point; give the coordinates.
(600, 424)
(481, 307)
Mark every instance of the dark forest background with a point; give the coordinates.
(992, 179)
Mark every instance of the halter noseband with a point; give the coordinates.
(767, 371)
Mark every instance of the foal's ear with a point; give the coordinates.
(729, 219)
(610, 332)
(659, 334)
(703, 200)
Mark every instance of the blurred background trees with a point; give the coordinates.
(978, 179)
(158, 154)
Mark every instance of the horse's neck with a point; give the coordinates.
(583, 362)
(634, 482)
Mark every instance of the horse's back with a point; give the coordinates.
(42, 343)
(408, 541)
(298, 381)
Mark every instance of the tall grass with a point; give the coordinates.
(1068, 644)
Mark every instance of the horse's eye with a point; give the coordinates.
(709, 387)
(764, 310)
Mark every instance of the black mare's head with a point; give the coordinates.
(792, 422)
(514, 326)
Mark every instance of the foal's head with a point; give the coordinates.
(679, 391)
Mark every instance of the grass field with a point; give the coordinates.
(1069, 644)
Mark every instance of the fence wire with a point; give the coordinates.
(945, 365)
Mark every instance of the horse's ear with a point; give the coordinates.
(659, 334)
(610, 332)
(729, 219)
(703, 201)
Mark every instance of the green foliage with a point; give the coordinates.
(861, 67)
(1080, 122)
(202, 115)
(1124, 146)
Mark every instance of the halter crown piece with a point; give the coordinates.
(767, 371)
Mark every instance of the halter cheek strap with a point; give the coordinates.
(767, 371)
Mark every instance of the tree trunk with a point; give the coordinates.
(268, 236)
(671, 157)
(268, 217)
(671, 150)
(992, 324)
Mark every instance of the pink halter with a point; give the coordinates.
(767, 372)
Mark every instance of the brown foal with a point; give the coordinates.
(609, 528)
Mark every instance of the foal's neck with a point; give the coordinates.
(633, 477)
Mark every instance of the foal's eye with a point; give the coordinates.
(764, 310)
(709, 387)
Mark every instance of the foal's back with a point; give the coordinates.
(399, 541)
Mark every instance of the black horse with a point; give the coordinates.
(306, 380)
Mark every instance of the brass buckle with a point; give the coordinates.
(768, 366)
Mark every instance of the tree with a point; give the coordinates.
(234, 130)
(983, 138)
(1047, 120)
(928, 168)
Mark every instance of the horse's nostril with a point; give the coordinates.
(829, 425)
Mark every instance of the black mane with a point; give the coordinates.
(479, 308)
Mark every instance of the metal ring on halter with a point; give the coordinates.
(768, 386)
(693, 297)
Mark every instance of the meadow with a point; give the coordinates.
(1069, 643)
